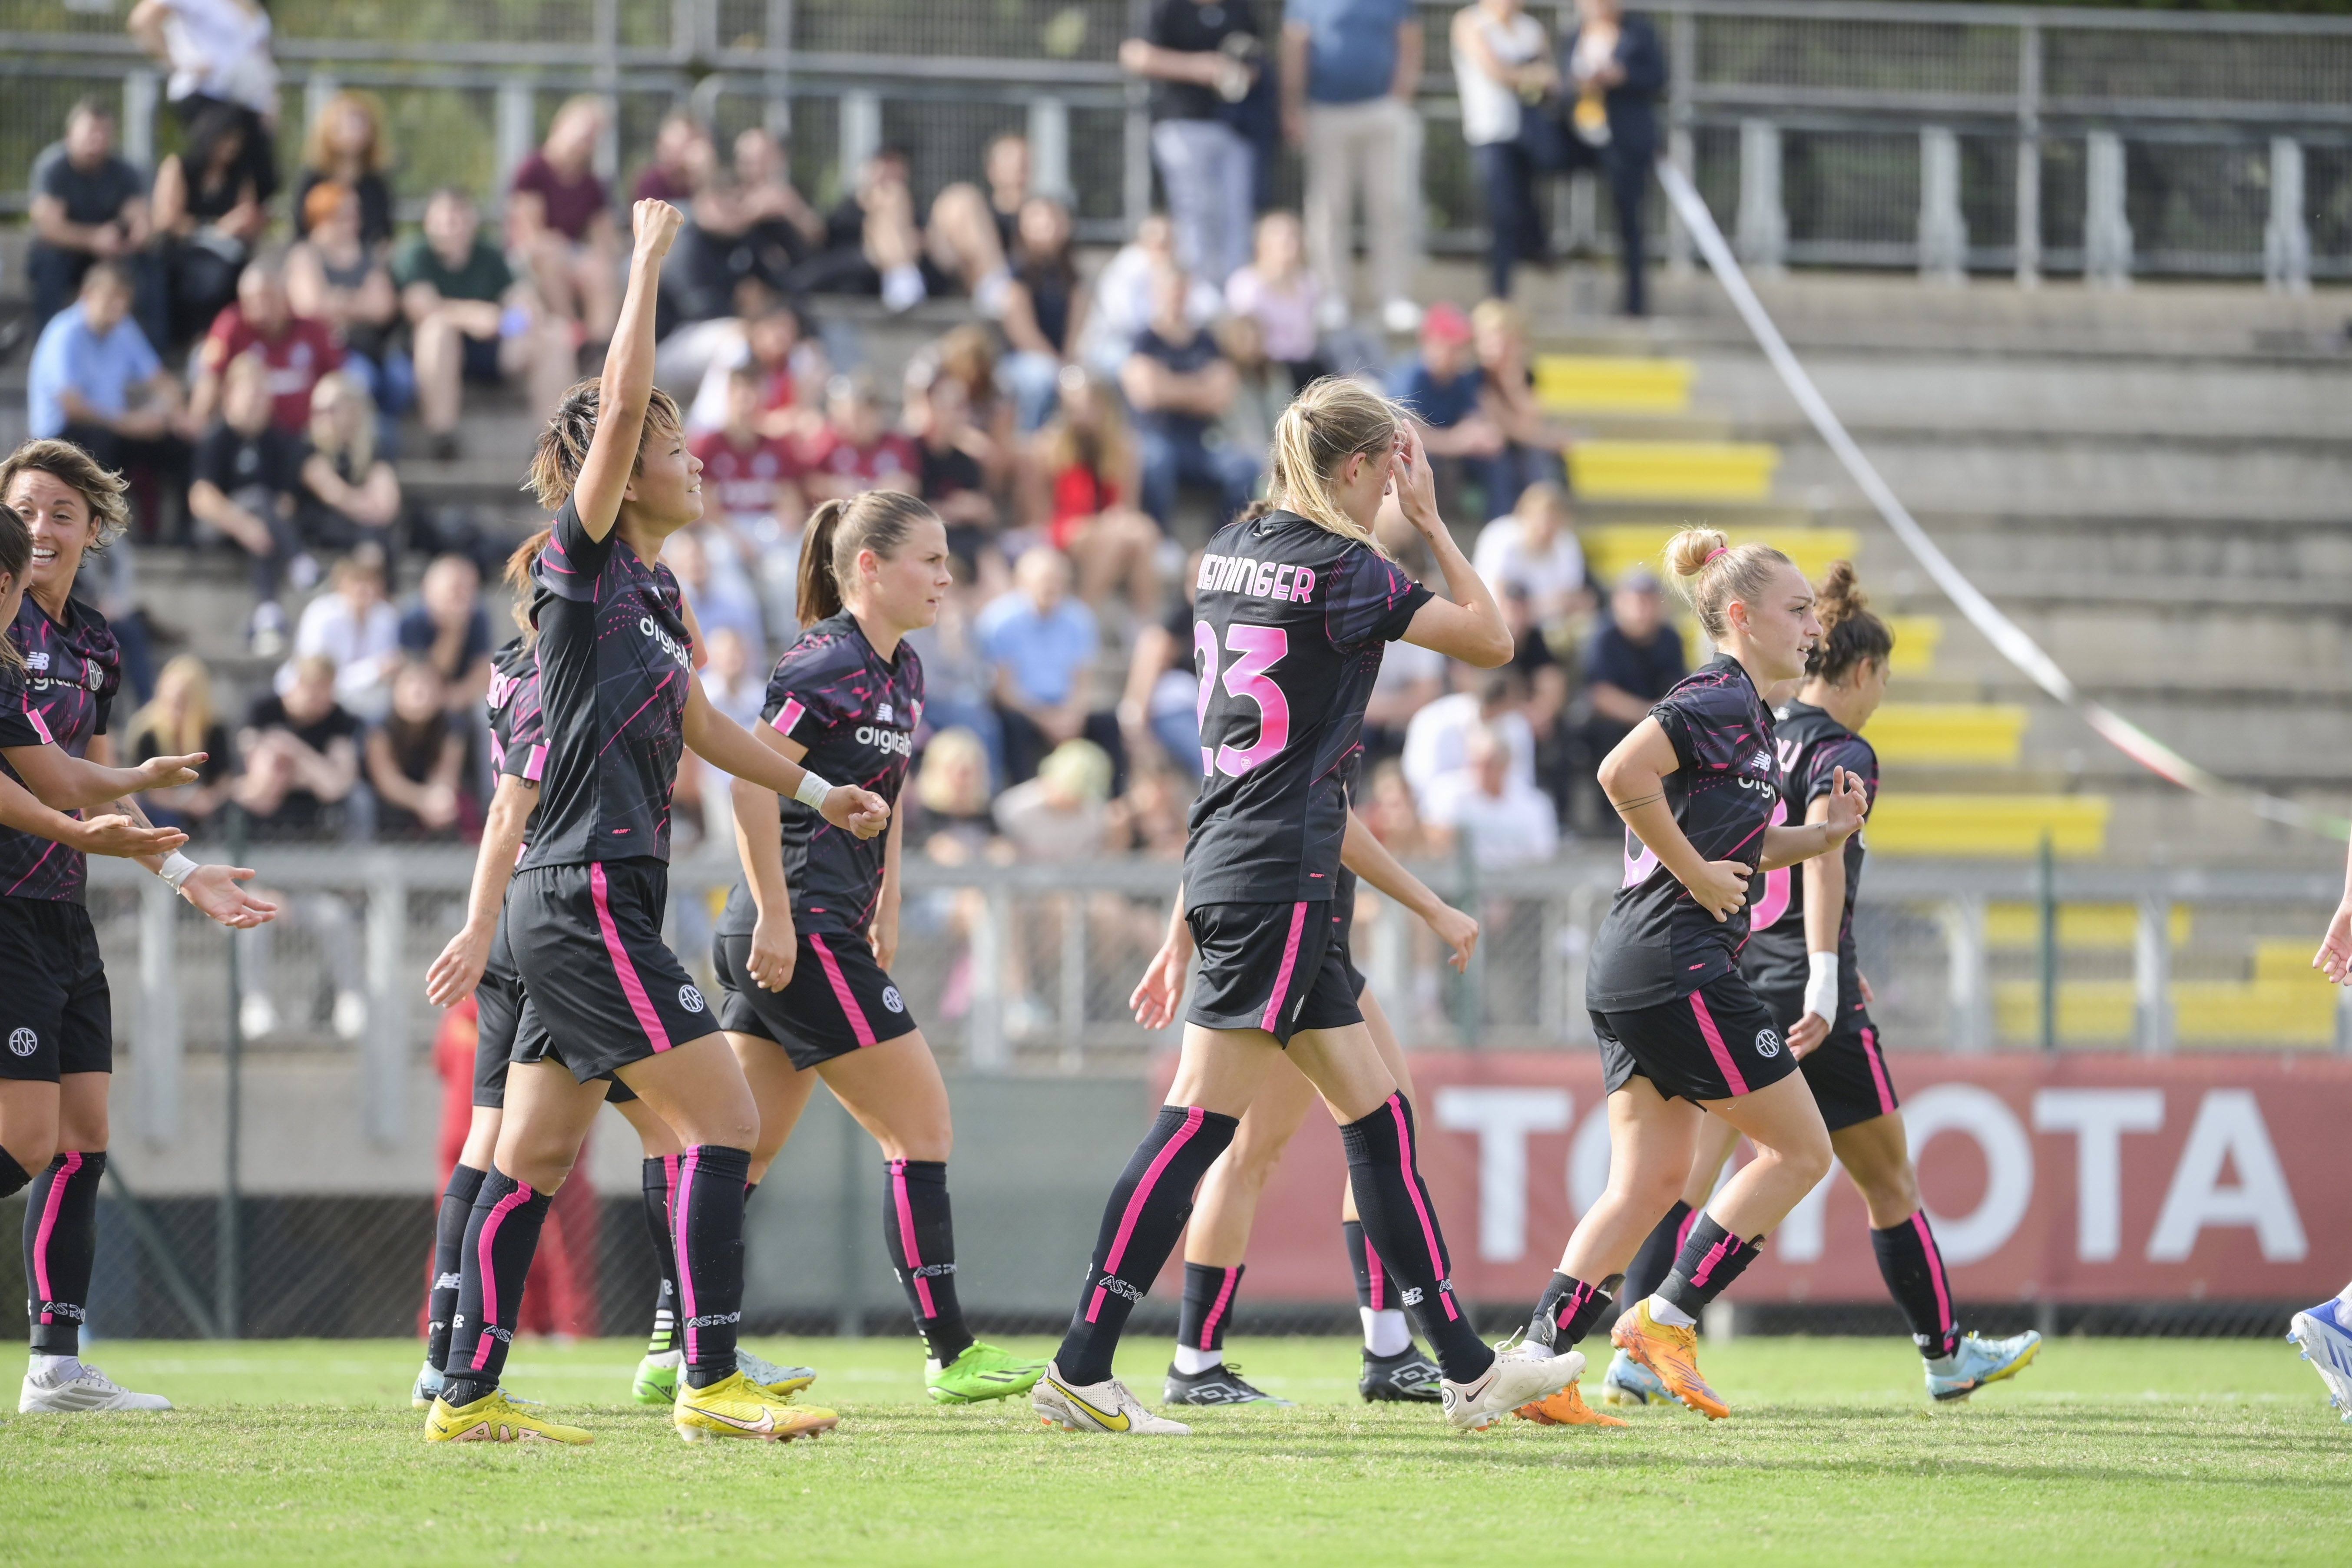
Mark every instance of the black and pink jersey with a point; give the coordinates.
(1290, 622)
(1812, 747)
(856, 712)
(1657, 945)
(518, 728)
(615, 667)
(62, 697)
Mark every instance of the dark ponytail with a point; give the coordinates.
(15, 561)
(878, 521)
(1851, 635)
(518, 583)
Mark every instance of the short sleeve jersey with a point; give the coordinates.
(517, 732)
(1657, 944)
(856, 712)
(62, 697)
(1810, 747)
(615, 667)
(1289, 624)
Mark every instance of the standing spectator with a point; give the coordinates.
(351, 627)
(445, 627)
(207, 214)
(345, 146)
(301, 754)
(294, 351)
(1279, 293)
(1440, 388)
(1509, 821)
(1503, 71)
(858, 452)
(336, 278)
(349, 495)
(416, 759)
(1533, 553)
(1203, 56)
(560, 220)
(1083, 481)
(471, 319)
(219, 52)
(247, 479)
(1350, 69)
(95, 380)
(1044, 309)
(1179, 385)
(1043, 644)
(1617, 70)
(88, 206)
(178, 719)
(1635, 659)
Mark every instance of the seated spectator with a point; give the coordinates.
(1005, 166)
(349, 494)
(1411, 679)
(715, 586)
(1507, 821)
(791, 374)
(735, 680)
(1635, 659)
(209, 216)
(95, 380)
(971, 235)
(1043, 644)
(959, 685)
(1044, 309)
(967, 353)
(751, 485)
(471, 319)
(353, 626)
(248, 476)
(1179, 385)
(1278, 291)
(1507, 395)
(295, 351)
(871, 245)
(301, 756)
(1440, 388)
(951, 797)
(750, 222)
(345, 146)
(560, 221)
(955, 459)
(445, 627)
(1083, 480)
(1532, 551)
(1120, 300)
(179, 720)
(1151, 821)
(416, 759)
(1061, 814)
(88, 206)
(1437, 742)
(335, 277)
(1390, 811)
(680, 144)
(1262, 388)
(857, 451)
(1163, 688)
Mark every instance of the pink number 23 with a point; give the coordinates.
(1260, 650)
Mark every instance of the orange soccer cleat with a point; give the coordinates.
(1670, 1350)
(1566, 1408)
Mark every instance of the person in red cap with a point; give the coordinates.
(1440, 387)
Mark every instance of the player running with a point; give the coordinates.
(620, 704)
(1680, 1029)
(803, 948)
(1800, 961)
(1294, 611)
(57, 683)
(2324, 1332)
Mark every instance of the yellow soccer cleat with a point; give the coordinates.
(495, 1419)
(1670, 1350)
(1566, 1408)
(735, 1407)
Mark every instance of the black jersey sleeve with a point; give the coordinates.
(18, 725)
(1369, 600)
(1850, 752)
(572, 559)
(526, 743)
(1675, 721)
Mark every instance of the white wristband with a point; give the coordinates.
(813, 791)
(176, 869)
(1822, 985)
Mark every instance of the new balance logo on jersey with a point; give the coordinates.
(36, 661)
(882, 712)
(899, 741)
(1761, 763)
(1258, 579)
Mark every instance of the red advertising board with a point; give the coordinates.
(2072, 1178)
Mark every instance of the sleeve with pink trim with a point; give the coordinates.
(20, 724)
(810, 691)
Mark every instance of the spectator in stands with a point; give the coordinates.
(301, 757)
(96, 380)
(1083, 480)
(336, 278)
(353, 626)
(294, 351)
(1119, 302)
(1616, 68)
(178, 719)
(1507, 395)
(416, 760)
(752, 483)
(959, 685)
(1411, 679)
(1349, 70)
(971, 235)
(955, 457)
(247, 484)
(858, 451)
(1437, 742)
(871, 243)
(1507, 820)
(1279, 293)
(1503, 72)
(1202, 58)
(769, 339)
(968, 353)
(752, 224)
(471, 319)
(682, 154)
(1262, 388)
(1006, 167)
(445, 627)
(349, 495)
(716, 590)
(221, 60)
(1042, 643)
(1044, 309)
(1532, 551)
(345, 146)
(560, 221)
(1635, 659)
(1440, 388)
(1179, 385)
(1059, 815)
(1161, 699)
(88, 205)
(207, 214)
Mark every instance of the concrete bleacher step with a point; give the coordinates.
(1612, 549)
(2082, 926)
(2011, 825)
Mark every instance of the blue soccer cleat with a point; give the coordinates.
(1628, 1382)
(2325, 1333)
(1977, 1361)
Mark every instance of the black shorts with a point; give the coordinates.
(1271, 966)
(55, 1012)
(507, 1027)
(1718, 1043)
(587, 942)
(482, 360)
(1343, 941)
(838, 1000)
(1847, 1072)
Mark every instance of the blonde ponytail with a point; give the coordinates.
(1709, 574)
(1325, 425)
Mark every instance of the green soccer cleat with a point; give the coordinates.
(657, 1380)
(982, 1372)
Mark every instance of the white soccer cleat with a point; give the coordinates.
(427, 1389)
(1105, 1407)
(1522, 1373)
(79, 1387)
(2325, 1333)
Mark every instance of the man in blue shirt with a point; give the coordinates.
(96, 380)
(1349, 70)
(1441, 389)
(1042, 643)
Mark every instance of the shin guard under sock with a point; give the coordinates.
(1913, 1267)
(1147, 1210)
(448, 1251)
(1567, 1312)
(657, 1180)
(1656, 1259)
(501, 1238)
(1710, 1259)
(1400, 1225)
(1208, 1310)
(60, 1247)
(14, 1178)
(920, 1236)
(707, 1218)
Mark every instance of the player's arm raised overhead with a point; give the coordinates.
(627, 387)
(1469, 625)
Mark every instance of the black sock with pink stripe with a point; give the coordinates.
(921, 1235)
(1710, 1259)
(707, 1219)
(1913, 1267)
(1656, 1259)
(1400, 1225)
(448, 1259)
(1567, 1310)
(655, 1177)
(60, 1248)
(1146, 1214)
(1208, 1310)
(501, 1238)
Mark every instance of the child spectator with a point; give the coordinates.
(1179, 385)
(353, 628)
(1043, 644)
(1084, 482)
(345, 146)
(207, 214)
(471, 319)
(349, 495)
(1277, 293)
(301, 757)
(88, 205)
(178, 719)
(415, 759)
(560, 220)
(337, 278)
(858, 452)
(96, 380)
(447, 627)
(247, 478)
(296, 350)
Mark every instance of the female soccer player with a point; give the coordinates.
(804, 945)
(1801, 963)
(54, 1008)
(2324, 1332)
(620, 701)
(1294, 610)
(1680, 1029)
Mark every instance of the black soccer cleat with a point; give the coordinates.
(1221, 1384)
(1407, 1375)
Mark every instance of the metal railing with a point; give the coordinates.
(1949, 138)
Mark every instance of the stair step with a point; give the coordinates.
(1611, 549)
(1589, 383)
(1973, 734)
(2005, 825)
(1673, 470)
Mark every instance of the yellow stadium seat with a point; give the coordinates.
(2011, 825)
(1581, 383)
(1979, 734)
(1673, 470)
(2112, 928)
(1612, 547)
(2204, 1012)
(1917, 638)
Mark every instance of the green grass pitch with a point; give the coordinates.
(2138, 1452)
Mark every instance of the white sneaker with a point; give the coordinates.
(1522, 1373)
(257, 1017)
(350, 1015)
(2324, 1335)
(1400, 317)
(902, 288)
(77, 1386)
(427, 1387)
(1105, 1407)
